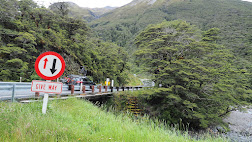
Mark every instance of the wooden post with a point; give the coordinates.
(92, 89)
(72, 89)
(36, 94)
(83, 88)
(45, 101)
(106, 89)
(100, 89)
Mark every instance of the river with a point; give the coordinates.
(240, 124)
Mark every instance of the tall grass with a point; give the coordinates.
(78, 120)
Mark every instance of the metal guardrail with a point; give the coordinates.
(14, 87)
(23, 86)
(7, 86)
(18, 85)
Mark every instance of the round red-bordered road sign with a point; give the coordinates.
(50, 65)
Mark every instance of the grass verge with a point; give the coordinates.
(78, 120)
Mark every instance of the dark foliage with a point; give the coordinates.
(27, 31)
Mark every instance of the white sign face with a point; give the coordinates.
(46, 87)
(50, 65)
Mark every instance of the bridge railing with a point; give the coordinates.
(18, 85)
(14, 87)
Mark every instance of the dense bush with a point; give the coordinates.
(199, 83)
(27, 31)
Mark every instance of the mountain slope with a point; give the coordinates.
(232, 17)
(88, 14)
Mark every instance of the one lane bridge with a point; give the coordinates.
(22, 90)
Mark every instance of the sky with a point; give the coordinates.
(88, 3)
(92, 3)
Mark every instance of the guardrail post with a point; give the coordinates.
(100, 89)
(92, 88)
(106, 88)
(83, 88)
(117, 89)
(72, 89)
(13, 92)
(122, 88)
(36, 94)
(111, 89)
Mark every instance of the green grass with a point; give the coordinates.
(78, 120)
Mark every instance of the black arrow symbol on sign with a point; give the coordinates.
(53, 70)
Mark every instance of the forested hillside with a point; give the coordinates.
(26, 31)
(199, 82)
(233, 18)
(199, 51)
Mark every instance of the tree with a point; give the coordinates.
(8, 10)
(26, 31)
(26, 41)
(61, 8)
(195, 73)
